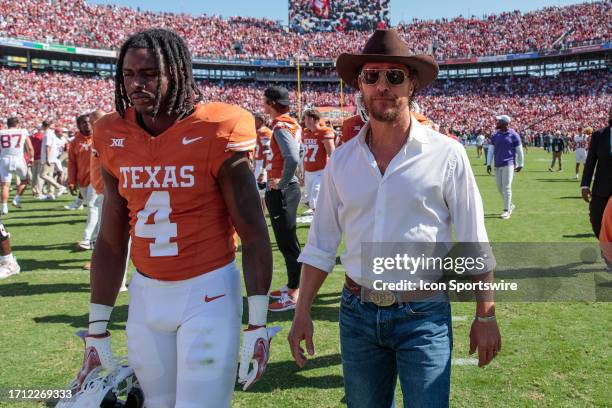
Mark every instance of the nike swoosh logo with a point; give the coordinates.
(187, 141)
(210, 299)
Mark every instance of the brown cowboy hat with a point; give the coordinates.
(387, 46)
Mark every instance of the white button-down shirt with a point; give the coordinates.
(427, 188)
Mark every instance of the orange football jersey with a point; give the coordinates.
(275, 166)
(350, 128)
(79, 157)
(179, 223)
(315, 158)
(262, 133)
(97, 182)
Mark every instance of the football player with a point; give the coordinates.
(79, 162)
(12, 160)
(581, 142)
(178, 182)
(319, 142)
(262, 149)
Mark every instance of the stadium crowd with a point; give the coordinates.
(106, 26)
(566, 102)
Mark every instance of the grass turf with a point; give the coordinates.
(554, 354)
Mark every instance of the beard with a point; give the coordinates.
(386, 114)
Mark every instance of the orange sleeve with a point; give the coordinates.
(100, 141)
(243, 136)
(236, 133)
(72, 163)
(329, 134)
(96, 177)
(605, 235)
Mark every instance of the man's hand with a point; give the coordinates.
(486, 338)
(519, 168)
(489, 170)
(273, 183)
(48, 163)
(301, 329)
(97, 354)
(72, 189)
(261, 179)
(586, 194)
(255, 349)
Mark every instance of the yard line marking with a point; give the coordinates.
(464, 361)
(459, 318)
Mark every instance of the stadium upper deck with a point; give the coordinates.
(77, 22)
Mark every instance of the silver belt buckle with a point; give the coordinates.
(382, 298)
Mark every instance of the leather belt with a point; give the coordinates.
(385, 298)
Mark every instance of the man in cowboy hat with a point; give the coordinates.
(396, 182)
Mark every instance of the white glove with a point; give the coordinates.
(98, 354)
(256, 349)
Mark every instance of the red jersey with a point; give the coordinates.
(277, 162)
(605, 235)
(179, 223)
(264, 134)
(79, 159)
(315, 158)
(36, 140)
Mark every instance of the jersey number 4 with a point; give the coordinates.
(161, 229)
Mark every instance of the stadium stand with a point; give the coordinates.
(79, 23)
(567, 102)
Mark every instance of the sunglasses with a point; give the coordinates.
(372, 76)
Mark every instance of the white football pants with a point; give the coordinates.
(183, 338)
(90, 198)
(312, 185)
(503, 177)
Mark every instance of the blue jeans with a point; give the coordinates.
(413, 340)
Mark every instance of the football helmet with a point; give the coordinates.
(102, 381)
(117, 389)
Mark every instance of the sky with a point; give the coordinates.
(404, 10)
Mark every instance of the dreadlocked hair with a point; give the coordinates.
(170, 51)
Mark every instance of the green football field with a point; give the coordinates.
(554, 354)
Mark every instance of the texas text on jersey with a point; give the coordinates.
(179, 223)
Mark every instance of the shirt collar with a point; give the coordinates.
(417, 133)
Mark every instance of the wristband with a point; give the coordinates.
(485, 319)
(99, 316)
(258, 310)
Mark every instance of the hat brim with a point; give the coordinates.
(349, 66)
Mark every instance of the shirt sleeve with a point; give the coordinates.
(466, 210)
(490, 156)
(290, 151)
(325, 232)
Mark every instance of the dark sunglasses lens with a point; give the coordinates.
(370, 77)
(395, 76)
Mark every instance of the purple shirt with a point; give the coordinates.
(505, 144)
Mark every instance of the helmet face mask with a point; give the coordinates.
(361, 109)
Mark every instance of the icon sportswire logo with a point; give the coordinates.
(186, 140)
